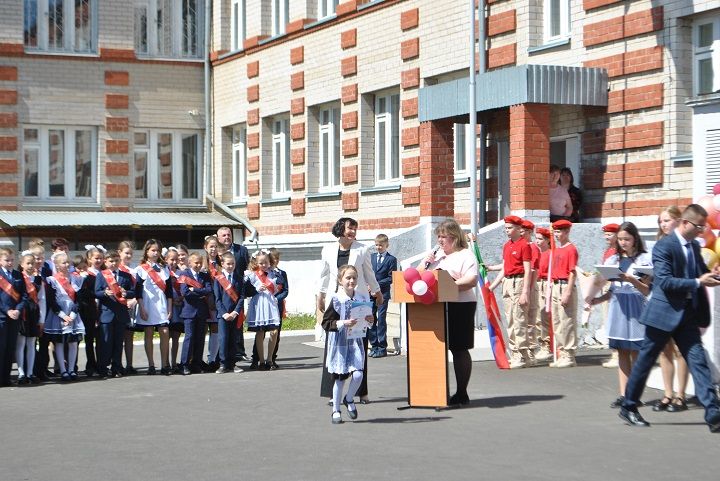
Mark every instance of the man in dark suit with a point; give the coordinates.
(383, 263)
(678, 308)
(13, 298)
(242, 258)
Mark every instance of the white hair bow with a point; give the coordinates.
(26, 253)
(165, 250)
(98, 247)
(259, 252)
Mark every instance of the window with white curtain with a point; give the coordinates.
(167, 165)
(60, 25)
(238, 24)
(387, 138)
(239, 163)
(461, 139)
(706, 55)
(281, 156)
(329, 136)
(169, 28)
(556, 20)
(59, 162)
(326, 8)
(280, 16)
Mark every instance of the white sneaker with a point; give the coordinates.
(238, 369)
(566, 360)
(543, 354)
(517, 361)
(611, 363)
(530, 359)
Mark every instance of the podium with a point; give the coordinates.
(427, 350)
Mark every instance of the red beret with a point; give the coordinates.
(611, 228)
(543, 231)
(562, 224)
(513, 219)
(526, 224)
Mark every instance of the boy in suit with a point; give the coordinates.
(678, 308)
(195, 287)
(383, 263)
(13, 297)
(242, 258)
(113, 288)
(228, 292)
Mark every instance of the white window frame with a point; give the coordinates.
(280, 16)
(69, 29)
(177, 28)
(461, 138)
(281, 185)
(326, 8)
(239, 164)
(564, 15)
(390, 119)
(711, 52)
(238, 24)
(152, 172)
(42, 145)
(329, 126)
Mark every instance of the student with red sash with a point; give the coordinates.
(564, 295)
(228, 293)
(32, 319)
(13, 298)
(88, 305)
(212, 264)
(263, 314)
(125, 249)
(195, 287)
(177, 327)
(113, 288)
(154, 296)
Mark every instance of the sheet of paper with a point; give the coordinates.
(647, 270)
(609, 272)
(359, 310)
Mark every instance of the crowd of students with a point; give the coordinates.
(52, 299)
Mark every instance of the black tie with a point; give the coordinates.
(379, 258)
(691, 271)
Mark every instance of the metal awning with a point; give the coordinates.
(29, 219)
(543, 84)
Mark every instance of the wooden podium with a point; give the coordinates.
(427, 357)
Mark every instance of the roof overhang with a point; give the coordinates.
(543, 84)
(163, 220)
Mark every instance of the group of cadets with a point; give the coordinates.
(103, 298)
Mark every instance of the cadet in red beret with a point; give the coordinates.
(542, 321)
(564, 295)
(610, 231)
(528, 232)
(515, 275)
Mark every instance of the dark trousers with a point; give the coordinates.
(194, 343)
(8, 339)
(110, 346)
(42, 360)
(92, 348)
(377, 334)
(227, 339)
(687, 338)
(239, 343)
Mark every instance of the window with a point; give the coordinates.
(556, 20)
(239, 164)
(329, 148)
(326, 8)
(169, 28)
(167, 165)
(281, 156)
(461, 148)
(387, 138)
(280, 16)
(59, 162)
(60, 25)
(238, 24)
(706, 55)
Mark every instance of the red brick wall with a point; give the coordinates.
(409, 19)
(348, 38)
(501, 23)
(529, 156)
(410, 78)
(410, 49)
(437, 168)
(623, 27)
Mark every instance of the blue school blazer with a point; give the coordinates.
(195, 302)
(110, 308)
(223, 302)
(7, 303)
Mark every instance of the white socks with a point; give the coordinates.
(25, 345)
(72, 355)
(355, 382)
(337, 393)
(60, 356)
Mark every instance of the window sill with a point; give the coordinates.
(706, 99)
(323, 195)
(678, 159)
(275, 201)
(560, 42)
(369, 4)
(320, 21)
(60, 53)
(462, 179)
(272, 39)
(381, 189)
(60, 204)
(187, 204)
(231, 53)
(169, 59)
(237, 203)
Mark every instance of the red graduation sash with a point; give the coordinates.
(126, 270)
(175, 284)
(30, 288)
(65, 284)
(114, 287)
(227, 287)
(9, 289)
(189, 281)
(265, 281)
(154, 276)
(212, 269)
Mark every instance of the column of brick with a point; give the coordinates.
(529, 159)
(9, 138)
(437, 169)
(298, 131)
(350, 123)
(252, 141)
(114, 161)
(409, 124)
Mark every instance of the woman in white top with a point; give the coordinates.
(454, 257)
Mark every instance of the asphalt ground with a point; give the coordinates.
(529, 424)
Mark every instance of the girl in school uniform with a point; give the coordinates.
(154, 295)
(32, 320)
(182, 260)
(63, 324)
(263, 314)
(88, 306)
(125, 249)
(212, 264)
(345, 357)
(176, 326)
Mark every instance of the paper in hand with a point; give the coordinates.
(359, 310)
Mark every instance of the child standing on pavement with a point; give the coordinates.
(263, 314)
(125, 249)
(31, 321)
(177, 326)
(564, 295)
(345, 357)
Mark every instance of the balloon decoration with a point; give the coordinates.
(714, 220)
(707, 201)
(707, 239)
(716, 189)
(422, 286)
(710, 257)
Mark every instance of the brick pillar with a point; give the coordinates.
(529, 159)
(10, 175)
(436, 168)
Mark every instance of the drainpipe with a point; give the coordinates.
(474, 221)
(208, 131)
(483, 128)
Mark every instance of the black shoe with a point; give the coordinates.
(264, 366)
(166, 371)
(116, 374)
(186, 371)
(272, 366)
(678, 404)
(221, 370)
(662, 404)
(618, 402)
(151, 371)
(89, 372)
(632, 418)
(74, 376)
(177, 369)
(253, 365)
(336, 419)
(714, 423)
(130, 371)
(34, 380)
(458, 399)
(65, 377)
(102, 374)
(352, 413)
(381, 353)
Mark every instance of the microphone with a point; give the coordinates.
(434, 252)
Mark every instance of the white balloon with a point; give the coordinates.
(716, 201)
(419, 288)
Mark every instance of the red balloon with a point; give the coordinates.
(427, 298)
(408, 289)
(707, 202)
(709, 238)
(714, 221)
(411, 275)
(716, 188)
(429, 278)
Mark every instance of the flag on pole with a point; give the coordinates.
(548, 294)
(497, 342)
